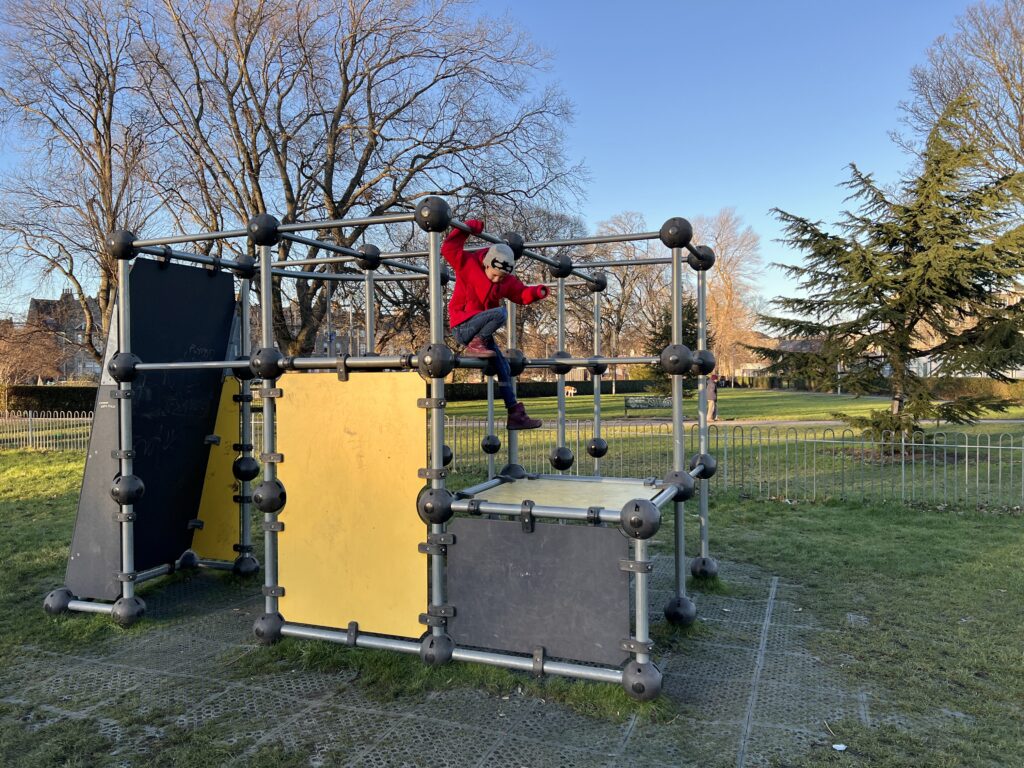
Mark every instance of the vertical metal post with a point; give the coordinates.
(245, 419)
(561, 376)
(640, 587)
(437, 574)
(269, 430)
(371, 315)
(702, 415)
(124, 410)
(595, 377)
(490, 423)
(678, 435)
(513, 435)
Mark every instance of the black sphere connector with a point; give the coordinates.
(434, 505)
(128, 610)
(561, 368)
(703, 362)
(702, 260)
(640, 519)
(561, 458)
(446, 277)
(245, 266)
(681, 611)
(515, 241)
(188, 561)
(435, 361)
(262, 229)
(122, 366)
(243, 374)
(704, 568)
(677, 232)
(563, 268)
(245, 565)
(58, 601)
(436, 650)
(516, 361)
(245, 468)
(127, 489)
(119, 245)
(269, 496)
(491, 444)
(642, 682)
(433, 214)
(677, 359)
(597, 447)
(684, 482)
(709, 463)
(370, 258)
(267, 628)
(598, 369)
(446, 455)
(599, 284)
(265, 363)
(514, 471)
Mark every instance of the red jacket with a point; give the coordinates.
(473, 291)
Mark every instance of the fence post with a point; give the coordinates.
(31, 431)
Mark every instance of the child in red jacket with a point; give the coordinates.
(482, 280)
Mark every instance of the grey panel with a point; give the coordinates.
(559, 587)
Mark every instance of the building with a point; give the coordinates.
(65, 320)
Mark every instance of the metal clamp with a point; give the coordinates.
(432, 621)
(437, 544)
(242, 398)
(195, 525)
(431, 402)
(632, 645)
(427, 473)
(239, 499)
(538, 660)
(242, 447)
(243, 549)
(636, 566)
(432, 549)
(125, 517)
(121, 394)
(526, 516)
(443, 611)
(594, 515)
(269, 393)
(211, 440)
(272, 458)
(342, 368)
(274, 591)
(129, 454)
(164, 259)
(352, 634)
(215, 267)
(274, 526)
(125, 576)
(474, 507)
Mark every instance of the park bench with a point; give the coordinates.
(646, 402)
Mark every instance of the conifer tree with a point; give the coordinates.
(928, 272)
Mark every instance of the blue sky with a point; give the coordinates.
(687, 107)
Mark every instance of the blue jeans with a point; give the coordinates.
(485, 325)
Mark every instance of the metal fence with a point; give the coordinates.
(763, 462)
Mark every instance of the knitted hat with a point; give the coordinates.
(500, 257)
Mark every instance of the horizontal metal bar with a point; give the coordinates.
(494, 482)
(696, 470)
(367, 363)
(595, 239)
(337, 636)
(216, 565)
(547, 512)
(87, 606)
(592, 479)
(665, 496)
(525, 663)
(314, 262)
(387, 218)
(581, 362)
(314, 243)
(628, 262)
(329, 277)
(152, 573)
(192, 365)
(194, 258)
(201, 237)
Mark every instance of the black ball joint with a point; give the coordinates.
(708, 462)
(599, 283)
(561, 458)
(597, 369)
(128, 610)
(563, 268)
(433, 214)
(597, 447)
(516, 361)
(265, 363)
(641, 682)
(245, 266)
(58, 601)
(490, 444)
(370, 258)
(677, 232)
(683, 481)
(446, 455)
(677, 359)
(436, 650)
(561, 368)
(119, 245)
(435, 361)
(515, 241)
(681, 611)
(269, 496)
(267, 628)
(640, 519)
(434, 506)
(245, 468)
(703, 362)
(702, 260)
(127, 489)
(263, 229)
(704, 568)
(123, 366)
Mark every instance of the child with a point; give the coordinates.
(482, 280)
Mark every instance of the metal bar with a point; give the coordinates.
(494, 482)
(352, 253)
(362, 640)
(595, 239)
(582, 362)
(678, 435)
(124, 410)
(216, 565)
(702, 414)
(325, 276)
(193, 365)
(595, 377)
(490, 423)
(152, 573)
(371, 314)
(194, 258)
(525, 663)
(202, 237)
(438, 585)
(627, 262)
(542, 511)
(640, 620)
(512, 434)
(87, 606)
(386, 218)
(560, 341)
(270, 570)
(245, 417)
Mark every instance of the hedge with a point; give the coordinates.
(24, 397)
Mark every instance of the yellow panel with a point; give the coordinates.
(217, 509)
(349, 548)
(564, 492)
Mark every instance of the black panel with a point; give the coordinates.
(178, 313)
(559, 587)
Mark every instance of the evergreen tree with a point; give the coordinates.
(659, 336)
(928, 272)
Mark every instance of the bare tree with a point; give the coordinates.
(982, 62)
(65, 78)
(27, 354)
(336, 108)
(732, 285)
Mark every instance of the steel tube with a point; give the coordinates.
(560, 341)
(193, 365)
(702, 413)
(437, 562)
(490, 423)
(582, 362)
(270, 569)
(678, 435)
(337, 636)
(352, 253)
(640, 587)
(124, 411)
(628, 262)
(152, 573)
(494, 482)
(595, 239)
(385, 218)
(525, 663)
(245, 416)
(87, 606)
(542, 511)
(216, 565)
(595, 377)
(512, 435)
(202, 237)
(325, 276)
(194, 258)
(371, 314)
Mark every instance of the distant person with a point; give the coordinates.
(482, 280)
(711, 389)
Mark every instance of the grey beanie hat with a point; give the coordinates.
(500, 257)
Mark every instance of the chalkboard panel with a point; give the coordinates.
(559, 587)
(178, 313)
